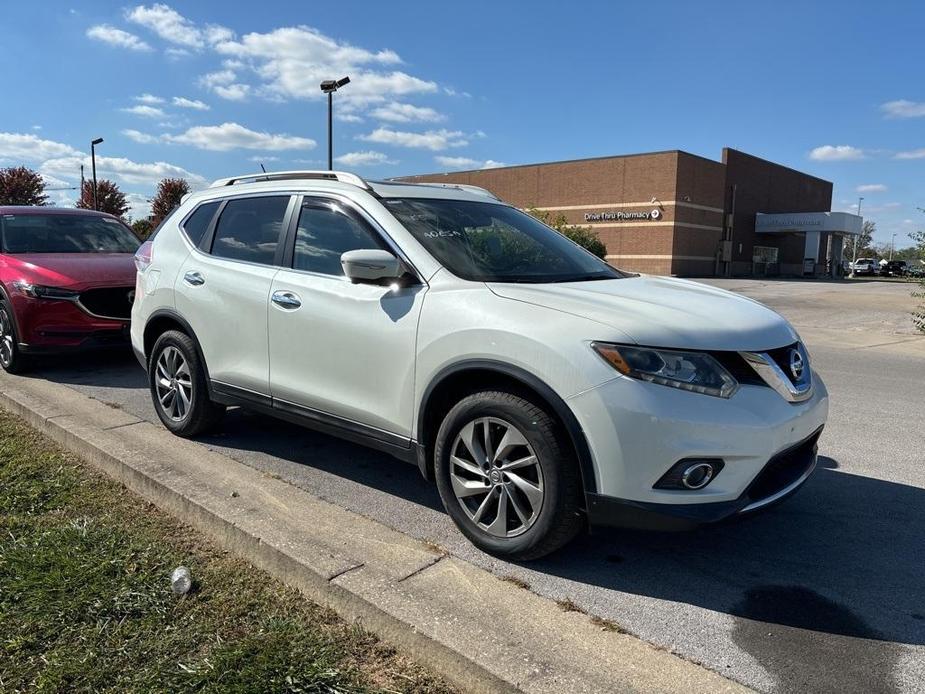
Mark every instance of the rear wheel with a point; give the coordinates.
(11, 358)
(178, 386)
(507, 476)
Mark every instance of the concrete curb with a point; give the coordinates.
(480, 633)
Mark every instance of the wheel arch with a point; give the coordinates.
(163, 320)
(460, 379)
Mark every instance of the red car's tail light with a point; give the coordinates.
(144, 255)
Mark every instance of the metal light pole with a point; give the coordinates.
(892, 246)
(329, 87)
(854, 260)
(93, 144)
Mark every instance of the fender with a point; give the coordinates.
(9, 302)
(188, 329)
(559, 406)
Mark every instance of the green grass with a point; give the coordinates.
(86, 605)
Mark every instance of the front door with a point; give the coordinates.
(338, 348)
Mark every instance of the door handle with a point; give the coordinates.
(286, 300)
(194, 278)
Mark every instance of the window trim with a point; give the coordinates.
(218, 206)
(361, 215)
(208, 239)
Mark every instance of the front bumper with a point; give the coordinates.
(47, 326)
(782, 477)
(637, 431)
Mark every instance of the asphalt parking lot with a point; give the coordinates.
(824, 593)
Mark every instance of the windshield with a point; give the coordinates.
(490, 242)
(65, 233)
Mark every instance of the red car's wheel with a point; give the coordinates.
(11, 359)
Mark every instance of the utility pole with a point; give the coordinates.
(93, 144)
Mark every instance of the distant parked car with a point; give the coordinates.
(915, 270)
(67, 281)
(894, 268)
(866, 266)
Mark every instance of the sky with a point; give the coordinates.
(211, 89)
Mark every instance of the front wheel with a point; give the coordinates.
(178, 385)
(11, 358)
(507, 476)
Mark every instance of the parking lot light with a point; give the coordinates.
(329, 87)
(93, 144)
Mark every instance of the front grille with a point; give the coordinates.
(784, 469)
(109, 302)
(781, 357)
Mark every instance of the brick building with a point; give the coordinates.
(681, 214)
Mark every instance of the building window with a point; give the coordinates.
(764, 254)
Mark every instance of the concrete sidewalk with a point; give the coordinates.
(478, 631)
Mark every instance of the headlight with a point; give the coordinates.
(37, 291)
(693, 371)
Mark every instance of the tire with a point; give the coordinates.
(179, 390)
(12, 359)
(542, 500)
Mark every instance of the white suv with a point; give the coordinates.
(540, 387)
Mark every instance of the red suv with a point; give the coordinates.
(67, 281)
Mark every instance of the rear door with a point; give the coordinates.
(223, 290)
(341, 351)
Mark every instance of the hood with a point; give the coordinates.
(663, 312)
(72, 270)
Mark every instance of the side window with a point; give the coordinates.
(197, 223)
(249, 229)
(324, 232)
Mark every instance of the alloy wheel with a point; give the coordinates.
(496, 477)
(6, 338)
(174, 384)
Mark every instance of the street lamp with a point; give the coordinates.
(93, 144)
(855, 254)
(329, 87)
(892, 245)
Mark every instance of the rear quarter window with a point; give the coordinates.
(197, 223)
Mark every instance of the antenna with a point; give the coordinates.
(263, 168)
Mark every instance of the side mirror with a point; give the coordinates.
(370, 266)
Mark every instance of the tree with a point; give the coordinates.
(918, 315)
(862, 243)
(143, 227)
(111, 199)
(583, 236)
(170, 192)
(21, 186)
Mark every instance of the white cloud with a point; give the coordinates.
(435, 140)
(262, 159)
(120, 169)
(903, 108)
(229, 136)
(149, 99)
(116, 37)
(871, 188)
(291, 62)
(167, 23)
(20, 147)
(367, 158)
(396, 112)
(138, 136)
(145, 111)
(176, 53)
(836, 153)
(347, 117)
(911, 154)
(233, 92)
(194, 104)
(467, 163)
(224, 84)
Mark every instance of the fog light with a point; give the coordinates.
(697, 476)
(690, 474)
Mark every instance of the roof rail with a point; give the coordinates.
(342, 176)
